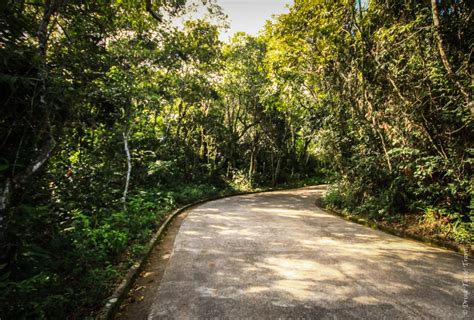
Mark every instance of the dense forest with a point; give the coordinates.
(113, 114)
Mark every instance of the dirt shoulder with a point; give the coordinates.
(140, 298)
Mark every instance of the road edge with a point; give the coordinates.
(458, 248)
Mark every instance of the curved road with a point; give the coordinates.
(276, 256)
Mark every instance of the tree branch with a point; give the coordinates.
(156, 15)
(442, 51)
(36, 164)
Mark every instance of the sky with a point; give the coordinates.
(250, 15)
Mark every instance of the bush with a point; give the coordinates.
(448, 225)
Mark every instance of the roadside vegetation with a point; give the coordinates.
(112, 115)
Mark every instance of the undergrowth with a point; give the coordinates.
(69, 266)
(440, 222)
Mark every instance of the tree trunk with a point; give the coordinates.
(129, 167)
(277, 172)
(18, 181)
(4, 198)
(442, 51)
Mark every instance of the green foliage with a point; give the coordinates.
(393, 122)
(449, 225)
(70, 267)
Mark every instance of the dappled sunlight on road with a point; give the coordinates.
(277, 250)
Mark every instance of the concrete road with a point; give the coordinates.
(277, 256)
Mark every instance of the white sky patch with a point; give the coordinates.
(250, 15)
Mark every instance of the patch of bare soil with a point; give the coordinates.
(140, 298)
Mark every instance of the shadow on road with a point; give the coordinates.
(276, 255)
